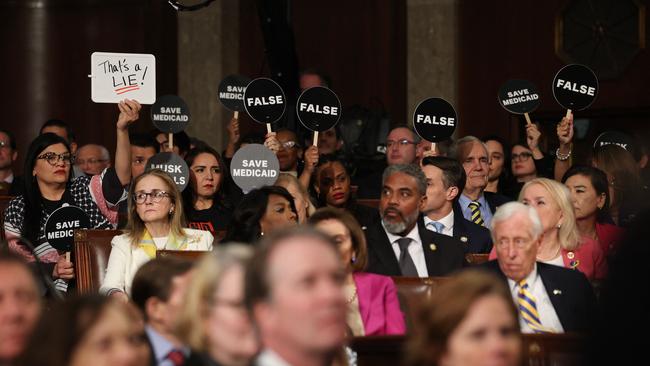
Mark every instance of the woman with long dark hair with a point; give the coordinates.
(207, 206)
(49, 185)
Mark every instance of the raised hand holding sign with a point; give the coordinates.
(318, 109)
(264, 101)
(519, 97)
(435, 120)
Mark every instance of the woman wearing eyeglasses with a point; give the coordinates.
(51, 186)
(156, 222)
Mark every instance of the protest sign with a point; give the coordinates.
(60, 226)
(264, 101)
(173, 165)
(231, 92)
(170, 114)
(318, 109)
(254, 166)
(519, 97)
(118, 76)
(575, 87)
(434, 120)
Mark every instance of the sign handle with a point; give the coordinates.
(315, 138)
(433, 147)
(67, 256)
(528, 122)
(170, 141)
(568, 112)
(236, 115)
(268, 128)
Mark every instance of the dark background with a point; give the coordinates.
(360, 44)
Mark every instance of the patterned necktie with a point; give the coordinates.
(528, 309)
(475, 209)
(405, 261)
(436, 226)
(176, 357)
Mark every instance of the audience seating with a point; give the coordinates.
(191, 255)
(538, 350)
(411, 291)
(91, 251)
(476, 259)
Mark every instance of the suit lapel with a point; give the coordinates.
(553, 290)
(429, 247)
(364, 293)
(384, 249)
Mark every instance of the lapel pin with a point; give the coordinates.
(574, 264)
(557, 292)
(463, 239)
(570, 255)
(433, 247)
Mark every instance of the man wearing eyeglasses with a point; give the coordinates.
(9, 184)
(92, 159)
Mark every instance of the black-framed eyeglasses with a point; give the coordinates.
(524, 156)
(53, 158)
(156, 195)
(401, 143)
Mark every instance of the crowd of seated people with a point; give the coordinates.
(287, 274)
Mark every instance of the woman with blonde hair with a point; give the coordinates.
(304, 206)
(213, 320)
(155, 222)
(472, 321)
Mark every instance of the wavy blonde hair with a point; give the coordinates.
(135, 226)
(199, 296)
(568, 233)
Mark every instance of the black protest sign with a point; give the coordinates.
(254, 166)
(614, 138)
(60, 226)
(435, 119)
(264, 100)
(170, 114)
(519, 96)
(231, 92)
(575, 87)
(173, 165)
(318, 109)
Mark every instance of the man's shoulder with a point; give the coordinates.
(561, 273)
(496, 199)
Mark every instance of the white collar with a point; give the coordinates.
(269, 358)
(448, 220)
(530, 280)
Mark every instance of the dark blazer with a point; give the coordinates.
(571, 294)
(443, 254)
(475, 238)
(495, 200)
(193, 359)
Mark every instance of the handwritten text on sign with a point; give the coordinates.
(118, 76)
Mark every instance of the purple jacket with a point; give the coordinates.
(378, 304)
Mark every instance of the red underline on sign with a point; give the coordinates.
(127, 90)
(127, 87)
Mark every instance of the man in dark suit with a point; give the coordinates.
(445, 181)
(476, 205)
(399, 244)
(158, 289)
(550, 298)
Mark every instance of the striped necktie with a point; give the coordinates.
(475, 209)
(436, 226)
(528, 309)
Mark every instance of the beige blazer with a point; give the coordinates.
(126, 259)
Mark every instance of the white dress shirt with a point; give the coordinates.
(447, 221)
(270, 358)
(547, 315)
(415, 249)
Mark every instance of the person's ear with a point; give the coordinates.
(14, 156)
(452, 193)
(154, 308)
(73, 148)
(600, 201)
(423, 203)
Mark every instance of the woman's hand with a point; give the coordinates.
(272, 142)
(311, 158)
(129, 113)
(63, 269)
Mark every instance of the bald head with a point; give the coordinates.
(92, 159)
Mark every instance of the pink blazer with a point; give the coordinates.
(588, 259)
(378, 304)
(609, 236)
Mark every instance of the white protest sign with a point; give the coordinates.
(118, 76)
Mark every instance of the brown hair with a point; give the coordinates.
(154, 279)
(199, 297)
(437, 318)
(620, 165)
(359, 246)
(257, 286)
(135, 226)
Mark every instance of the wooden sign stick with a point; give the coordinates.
(568, 112)
(67, 256)
(433, 146)
(315, 138)
(528, 122)
(236, 116)
(171, 141)
(268, 128)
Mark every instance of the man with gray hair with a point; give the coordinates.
(551, 299)
(399, 244)
(476, 205)
(92, 159)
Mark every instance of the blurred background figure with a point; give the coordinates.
(471, 321)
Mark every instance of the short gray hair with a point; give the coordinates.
(409, 169)
(508, 210)
(457, 147)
